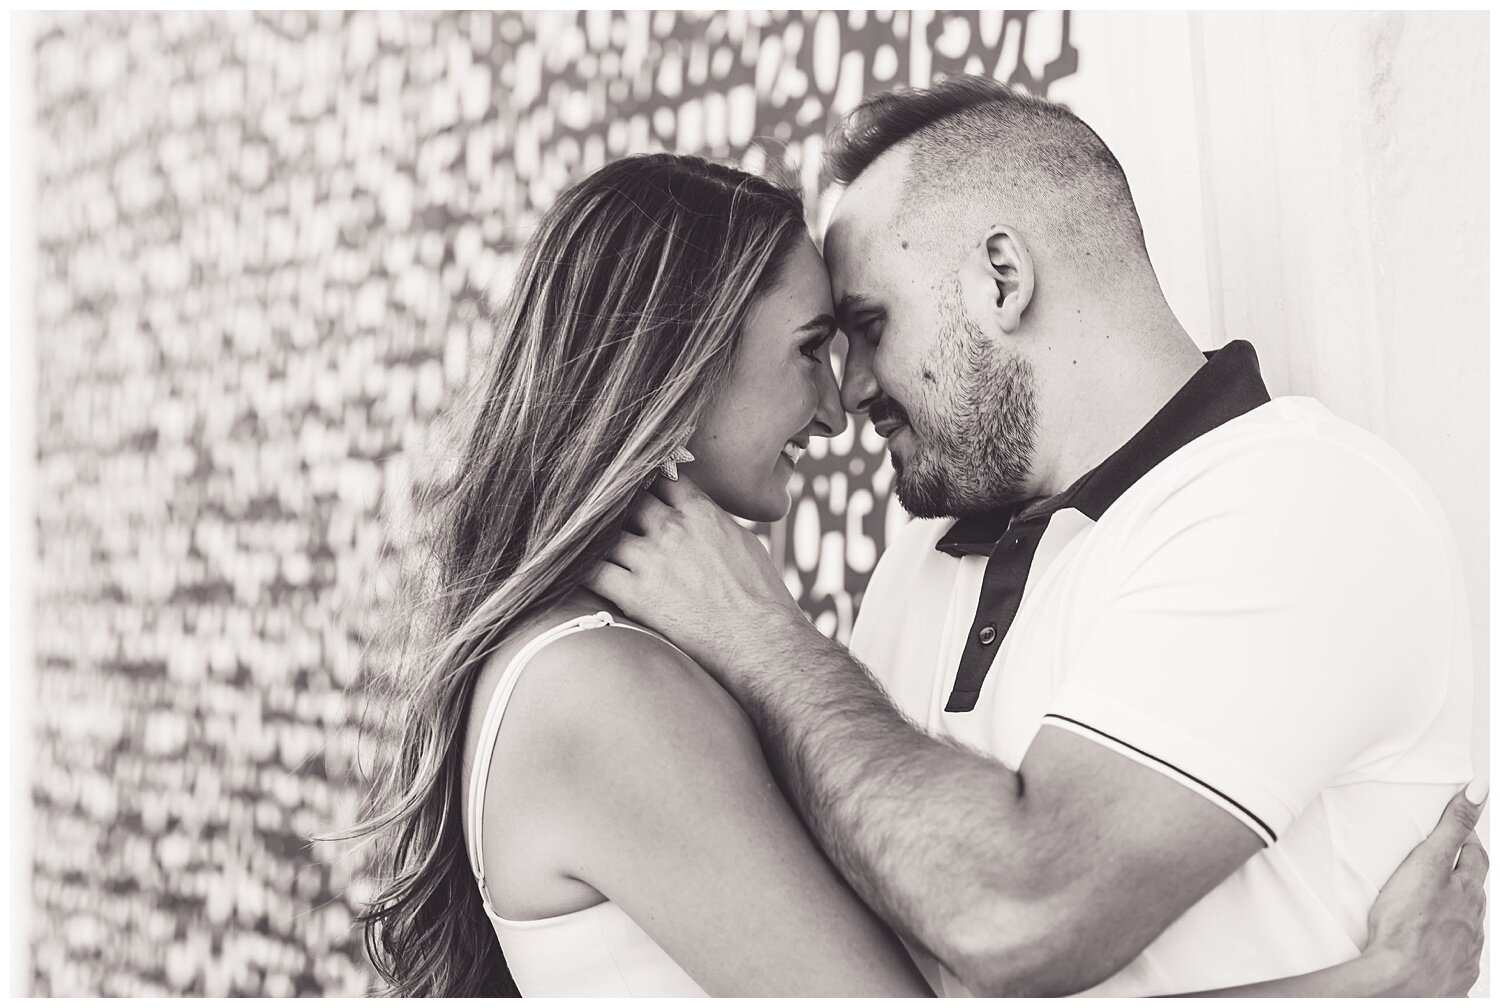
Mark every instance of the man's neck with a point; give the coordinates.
(1127, 383)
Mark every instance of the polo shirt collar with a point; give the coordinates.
(1227, 386)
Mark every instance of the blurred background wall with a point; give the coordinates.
(257, 242)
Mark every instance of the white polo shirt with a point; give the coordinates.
(1261, 602)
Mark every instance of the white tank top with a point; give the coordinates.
(594, 952)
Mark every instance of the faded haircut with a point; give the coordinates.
(979, 146)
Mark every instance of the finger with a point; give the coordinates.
(675, 493)
(1473, 861)
(628, 551)
(634, 523)
(610, 581)
(1455, 824)
(635, 518)
(648, 513)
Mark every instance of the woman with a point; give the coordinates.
(575, 807)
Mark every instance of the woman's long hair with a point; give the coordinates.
(622, 324)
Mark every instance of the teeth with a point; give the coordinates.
(792, 452)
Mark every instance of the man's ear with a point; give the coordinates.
(1000, 277)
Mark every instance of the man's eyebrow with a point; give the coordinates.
(824, 321)
(847, 305)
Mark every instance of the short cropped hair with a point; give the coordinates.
(977, 141)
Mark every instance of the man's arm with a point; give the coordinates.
(1039, 882)
(1249, 655)
(1019, 882)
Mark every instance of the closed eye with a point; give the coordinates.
(811, 348)
(866, 326)
(822, 329)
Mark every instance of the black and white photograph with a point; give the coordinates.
(728, 503)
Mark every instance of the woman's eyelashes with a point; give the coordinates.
(811, 348)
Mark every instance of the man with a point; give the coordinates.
(1200, 655)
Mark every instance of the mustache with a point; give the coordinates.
(886, 409)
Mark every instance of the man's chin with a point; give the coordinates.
(926, 494)
(920, 498)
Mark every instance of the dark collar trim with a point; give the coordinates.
(1229, 385)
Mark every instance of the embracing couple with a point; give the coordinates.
(1171, 695)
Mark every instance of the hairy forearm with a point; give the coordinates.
(940, 841)
(921, 827)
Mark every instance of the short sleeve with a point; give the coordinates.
(1279, 622)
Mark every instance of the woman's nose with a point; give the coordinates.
(830, 420)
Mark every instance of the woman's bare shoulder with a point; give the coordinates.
(605, 686)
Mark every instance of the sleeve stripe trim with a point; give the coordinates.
(1254, 820)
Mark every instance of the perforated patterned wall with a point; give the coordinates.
(257, 237)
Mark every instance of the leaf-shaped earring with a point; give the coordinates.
(669, 467)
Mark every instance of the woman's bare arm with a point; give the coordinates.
(660, 799)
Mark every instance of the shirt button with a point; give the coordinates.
(987, 635)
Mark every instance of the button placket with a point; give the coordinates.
(999, 600)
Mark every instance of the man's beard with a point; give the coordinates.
(977, 448)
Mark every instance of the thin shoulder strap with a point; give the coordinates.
(489, 731)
